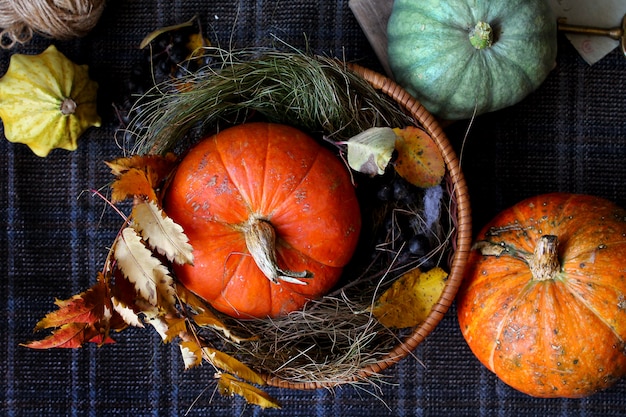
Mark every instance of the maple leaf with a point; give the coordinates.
(162, 233)
(419, 159)
(229, 385)
(149, 276)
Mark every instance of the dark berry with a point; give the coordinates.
(385, 193)
(418, 245)
(178, 53)
(400, 190)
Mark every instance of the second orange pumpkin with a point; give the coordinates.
(543, 301)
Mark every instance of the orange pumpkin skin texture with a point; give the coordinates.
(559, 334)
(269, 175)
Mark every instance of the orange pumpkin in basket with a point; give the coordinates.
(543, 302)
(272, 217)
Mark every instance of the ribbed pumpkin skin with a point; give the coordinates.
(32, 93)
(277, 173)
(562, 337)
(431, 56)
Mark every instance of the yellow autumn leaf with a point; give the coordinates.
(206, 318)
(231, 365)
(229, 385)
(175, 327)
(410, 299)
(196, 45)
(156, 33)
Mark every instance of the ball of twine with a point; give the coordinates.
(58, 19)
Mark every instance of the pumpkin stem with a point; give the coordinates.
(481, 36)
(261, 242)
(68, 106)
(544, 263)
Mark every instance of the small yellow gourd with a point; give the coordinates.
(47, 101)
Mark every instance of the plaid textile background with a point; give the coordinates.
(570, 135)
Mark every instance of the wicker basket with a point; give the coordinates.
(460, 211)
(302, 363)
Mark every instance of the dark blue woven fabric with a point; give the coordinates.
(569, 135)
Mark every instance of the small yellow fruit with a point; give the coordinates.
(47, 101)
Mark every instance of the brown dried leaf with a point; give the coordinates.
(190, 299)
(161, 232)
(229, 385)
(158, 166)
(139, 175)
(175, 327)
(127, 312)
(149, 276)
(131, 183)
(419, 159)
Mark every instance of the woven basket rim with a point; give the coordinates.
(461, 245)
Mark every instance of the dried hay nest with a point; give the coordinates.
(335, 340)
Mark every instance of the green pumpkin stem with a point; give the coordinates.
(481, 36)
(544, 263)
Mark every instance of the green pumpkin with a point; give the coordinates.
(466, 57)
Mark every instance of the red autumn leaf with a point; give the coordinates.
(87, 308)
(419, 159)
(85, 317)
(71, 335)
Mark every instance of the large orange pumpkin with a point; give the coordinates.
(272, 217)
(543, 302)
